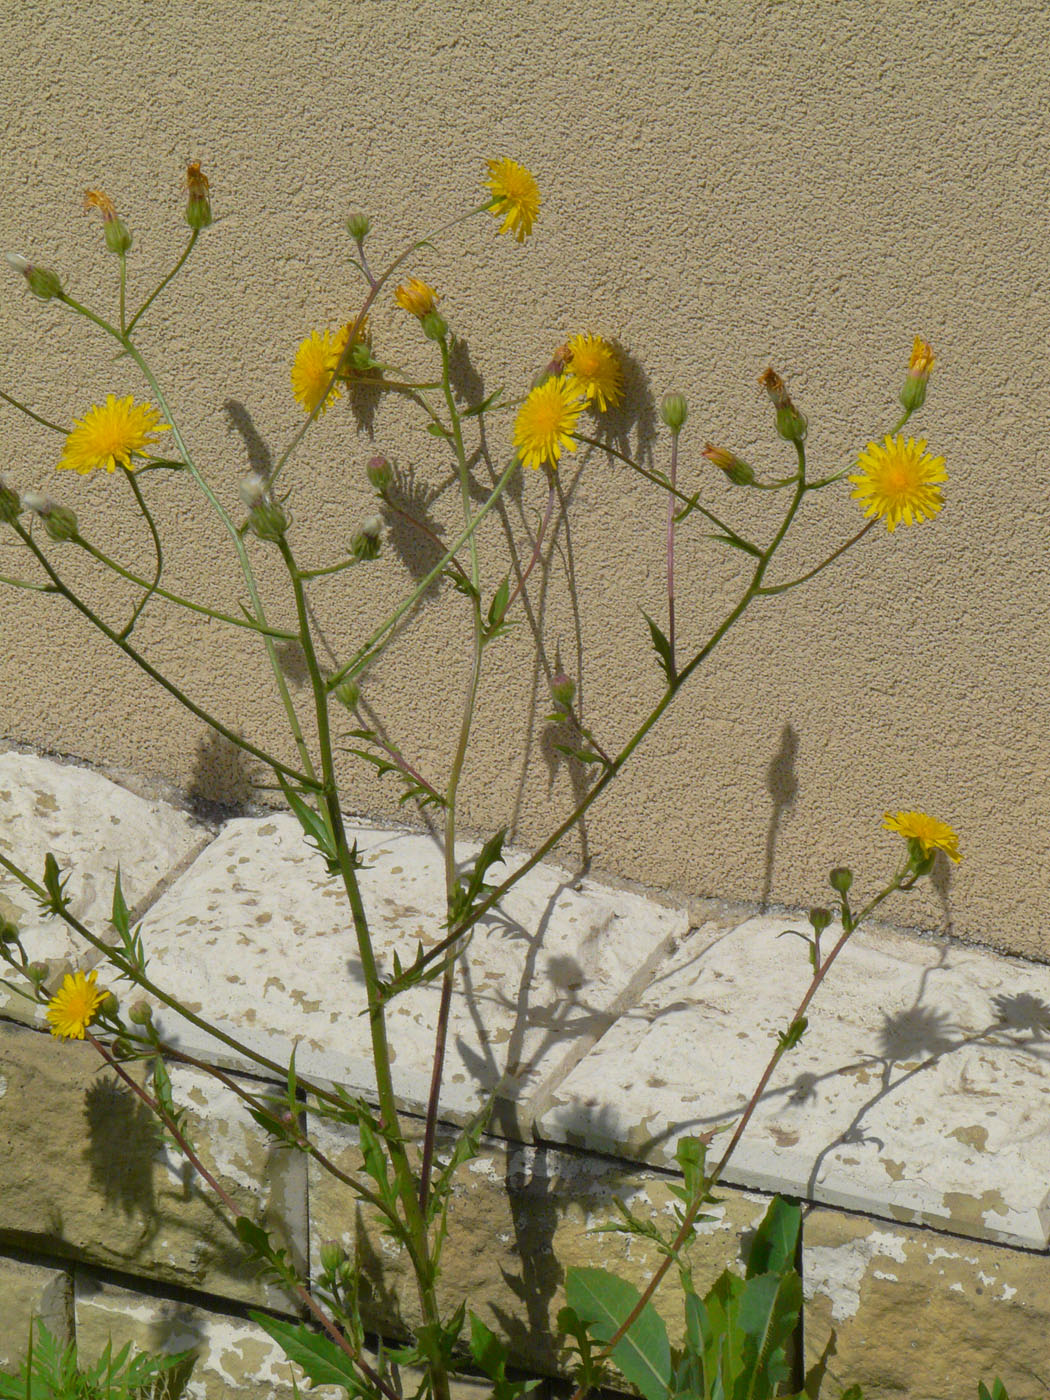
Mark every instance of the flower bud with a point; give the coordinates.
(913, 394)
(118, 239)
(333, 1257)
(140, 1013)
(819, 918)
(841, 878)
(60, 523)
(358, 227)
(347, 693)
(122, 1049)
(10, 504)
(564, 690)
(42, 282)
(674, 411)
(365, 544)
(380, 474)
(198, 205)
(417, 297)
(268, 520)
(435, 327)
(36, 972)
(791, 425)
(252, 489)
(8, 931)
(109, 1005)
(737, 470)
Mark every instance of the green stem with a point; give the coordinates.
(162, 283)
(123, 292)
(772, 589)
(158, 551)
(22, 408)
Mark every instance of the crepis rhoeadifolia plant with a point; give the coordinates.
(742, 1327)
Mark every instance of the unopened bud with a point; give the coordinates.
(913, 394)
(42, 282)
(60, 523)
(819, 918)
(735, 468)
(36, 972)
(118, 239)
(333, 1257)
(380, 474)
(109, 1005)
(674, 411)
(564, 690)
(198, 205)
(365, 544)
(122, 1049)
(435, 327)
(347, 693)
(140, 1013)
(10, 503)
(358, 227)
(416, 296)
(8, 931)
(268, 520)
(841, 878)
(791, 425)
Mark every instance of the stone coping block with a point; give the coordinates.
(92, 826)
(257, 936)
(920, 1091)
(31, 1291)
(84, 1173)
(910, 1312)
(519, 1217)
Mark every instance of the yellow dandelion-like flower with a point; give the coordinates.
(922, 358)
(315, 363)
(516, 197)
(417, 297)
(72, 1009)
(931, 834)
(594, 369)
(110, 434)
(898, 480)
(546, 420)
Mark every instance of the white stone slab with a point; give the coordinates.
(92, 826)
(921, 1091)
(257, 935)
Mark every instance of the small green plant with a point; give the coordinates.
(52, 1371)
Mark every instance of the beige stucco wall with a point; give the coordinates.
(728, 186)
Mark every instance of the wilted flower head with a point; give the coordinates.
(118, 239)
(198, 205)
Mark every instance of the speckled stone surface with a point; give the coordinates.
(92, 826)
(32, 1292)
(920, 1092)
(257, 935)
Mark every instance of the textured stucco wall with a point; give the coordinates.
(726, 186)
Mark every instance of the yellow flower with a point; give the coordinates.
(315, 363)
(109, 434)
(72, 1009)
(931, 834)
(546, 420)
(417, 297)
(898, 481)
(922, 359)
(516, 198)
(594, 369)
(100, 200)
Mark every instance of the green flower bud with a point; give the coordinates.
(358, 227)
(268, 520)
(735, 468)
(60, 523)
(564, 690)
(140, 1013)
(674, 411)
(819, 918)
(333, 1257)
(8, 931)
(36, 972)
(42, 282)
(109, 1005)
(10, 503)
(913, 393)
(347, 693)
(122, 1049)
(791, 424)
(198, 205)
(435, 327)
(380, 474)
(118, 238)
(365, 544)
(841, 878)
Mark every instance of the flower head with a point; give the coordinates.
(100, 200)
(593, 368)
(417, 297)
(516, 198)
(198, 203)
(315, 363)
(922, 358)
(546, 420)
(118, 239)
(931, 834)
(110, 434)
(898, 480)
(72, 1009)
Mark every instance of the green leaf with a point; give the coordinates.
(768, 1314)
(464, 895)
(735, 542)
(120, 918)
(482, 406)
(55, 884)
(790, 1038)
(604, 1302)
(315, 828)
(323, 1362)
(998, 1391)
(662, 648)
(492, 1357)
(497, 608)
(776, 1239)
(436, 430)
